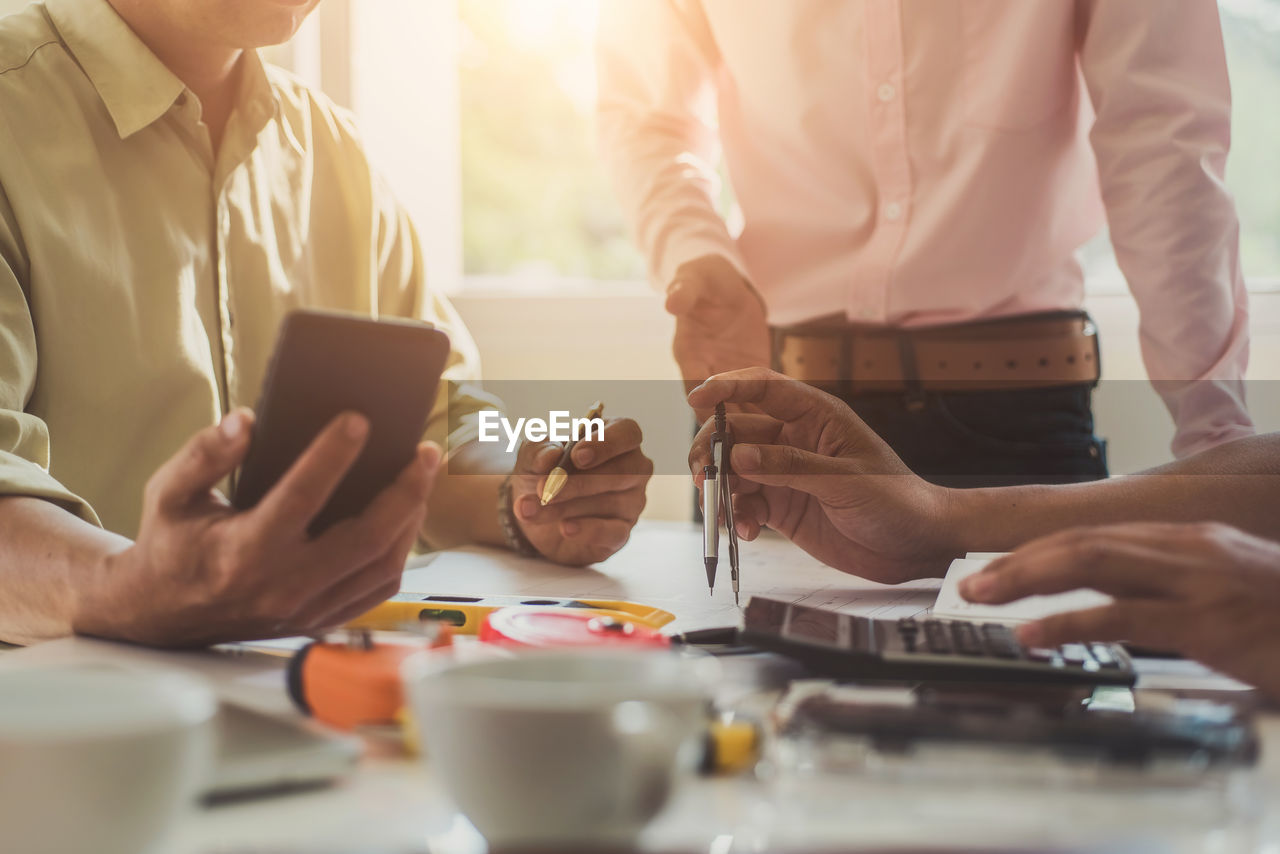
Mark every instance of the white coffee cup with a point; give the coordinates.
(99, 760)
(560, 747)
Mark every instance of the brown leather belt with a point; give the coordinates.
(1031, 351)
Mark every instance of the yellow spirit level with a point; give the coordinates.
(466, 613)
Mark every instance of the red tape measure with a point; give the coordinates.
(560, 627)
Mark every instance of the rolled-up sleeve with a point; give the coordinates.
(24, 438)
(1158, 82)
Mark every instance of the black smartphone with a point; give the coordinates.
(326, 364)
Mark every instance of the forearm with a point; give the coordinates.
(463, 508)
(1237, 484)
(46, 554)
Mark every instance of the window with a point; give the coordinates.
(1251, 29)
(535, 201)
(534, 204)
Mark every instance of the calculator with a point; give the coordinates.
(833, 644)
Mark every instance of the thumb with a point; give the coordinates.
(207, 458)
(683, 295)
(825, 478)
(431, 457)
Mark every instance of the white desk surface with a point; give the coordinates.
(393, 806)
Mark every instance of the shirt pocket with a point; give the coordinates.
(1019, 61)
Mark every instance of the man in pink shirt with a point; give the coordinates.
(914, 179)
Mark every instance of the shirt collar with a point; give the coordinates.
(256, 98)
(134, 85)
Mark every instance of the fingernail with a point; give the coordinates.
(675, 287)
(570, 528)
(356, 427)
(583, 456)
(1030, 635)
(430, 454)
(746, 457)
(743, 530)
(232, 426)
(527, 507)
(975, 588)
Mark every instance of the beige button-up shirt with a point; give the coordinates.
(143, 278)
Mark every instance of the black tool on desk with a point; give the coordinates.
(841, 645)
(1016, 725)
(717, 495)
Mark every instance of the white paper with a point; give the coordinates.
(951, 605)
(662, 567)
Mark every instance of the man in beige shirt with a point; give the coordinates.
(165, 198)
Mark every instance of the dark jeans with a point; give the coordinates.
(991, 438)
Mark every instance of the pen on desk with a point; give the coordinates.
(559, 475)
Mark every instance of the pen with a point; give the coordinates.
(710, 526)
(559, 475)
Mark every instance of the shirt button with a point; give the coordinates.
(893, 212)
(886, 92)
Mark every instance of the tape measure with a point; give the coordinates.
(562, 627)
(356, 684)
(466, 613)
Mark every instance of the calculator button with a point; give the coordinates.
(1004, 650)
(1042, 654)
(936, 637)
(1075, 653)
(999, 641)
(965, 638)
(1000, 651)
(1102, 654)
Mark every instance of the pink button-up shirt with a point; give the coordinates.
(922, 162)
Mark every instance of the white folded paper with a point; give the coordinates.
(951, 605)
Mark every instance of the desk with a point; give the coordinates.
(394, 806)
